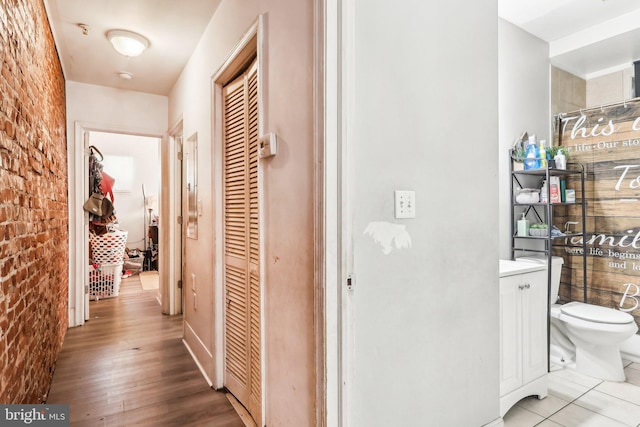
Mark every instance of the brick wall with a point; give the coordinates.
(33, 203)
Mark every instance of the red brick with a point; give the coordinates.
(33, 203)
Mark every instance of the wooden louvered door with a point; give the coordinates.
(241, 242)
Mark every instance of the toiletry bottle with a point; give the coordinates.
(531, 155)
(554, 190)
(523, 226)
(544, 195)
(561, 160)
(543, 154)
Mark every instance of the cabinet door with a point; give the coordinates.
(534, 325)
(510, 334)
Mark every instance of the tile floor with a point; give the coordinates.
(577, 400)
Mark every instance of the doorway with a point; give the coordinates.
(238, 117)
(242, 241)
(129, 167)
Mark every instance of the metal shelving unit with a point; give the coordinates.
(543, 212)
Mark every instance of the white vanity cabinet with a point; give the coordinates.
(523, 332)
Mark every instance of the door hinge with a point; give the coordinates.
(180, 220)
(180, 155)
(179, 284)
(351, 281)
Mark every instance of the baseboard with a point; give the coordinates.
(195, 359)
(199, 352)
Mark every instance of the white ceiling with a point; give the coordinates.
(173, 28)
(586, 37)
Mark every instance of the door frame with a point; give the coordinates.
(336, 51)
(79, 220)
(172, 260)
(252, 43)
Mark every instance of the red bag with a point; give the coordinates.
(106, 185)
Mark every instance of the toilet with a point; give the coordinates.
(584, 336)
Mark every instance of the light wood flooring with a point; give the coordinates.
(127, 366)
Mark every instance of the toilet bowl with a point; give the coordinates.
(597, 333)
(590, 335)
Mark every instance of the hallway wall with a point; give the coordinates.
(33, 203)
(103, 109)
(287, 203)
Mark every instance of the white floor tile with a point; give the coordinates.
(576, 377)
(624, 391)
(549, 423)
(520, 417)
(633, 365)
(574, 415)
(545, 407)
(610, 406)
(566, 390)
(633, 374)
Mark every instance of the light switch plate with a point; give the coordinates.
(405, 204)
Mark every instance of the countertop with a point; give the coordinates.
(510, 268)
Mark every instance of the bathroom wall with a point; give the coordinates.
(609, 88)
(523, 93)
(568, 91)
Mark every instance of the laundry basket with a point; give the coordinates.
(108, 248)
(104, 280)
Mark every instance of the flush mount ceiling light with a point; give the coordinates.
(127, 43)
(125, 75)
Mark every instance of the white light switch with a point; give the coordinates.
(405, 202)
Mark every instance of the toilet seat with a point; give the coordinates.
(597, 314)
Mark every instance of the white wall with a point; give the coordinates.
(610, 88)
(424, 117)
(100, 108)
(524, 105)
(287, 202)
(129, 202)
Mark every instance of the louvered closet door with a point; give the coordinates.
(242, 268)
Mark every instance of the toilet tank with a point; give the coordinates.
(556, 272)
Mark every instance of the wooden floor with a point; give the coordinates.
(127, 366)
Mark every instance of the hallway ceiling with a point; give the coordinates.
(172, 27)
(586, 37)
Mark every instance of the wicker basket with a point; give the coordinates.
(104, 281)
(108, 248)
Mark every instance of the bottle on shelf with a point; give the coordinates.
(543, 154)
(544, 196)
(554, 189)
(561, 160)
(532, 154)
(523, 226)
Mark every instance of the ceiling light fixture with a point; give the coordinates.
(127, 43)
(125, 75)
